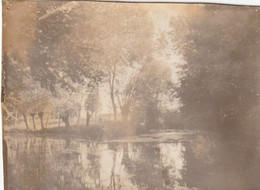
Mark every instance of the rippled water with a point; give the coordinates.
(170, 160)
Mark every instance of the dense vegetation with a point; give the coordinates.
(58, 63)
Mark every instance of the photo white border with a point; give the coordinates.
(228, 2)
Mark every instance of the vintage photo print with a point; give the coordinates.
(130, 96)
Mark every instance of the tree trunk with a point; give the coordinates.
(65, 119)
(125, 112)
(114, 105)
(79, 110)
(97, 101)
(25, 121)
(88, 119)
(78, 115)
(124, 108)
(33, 115)
(112, 89)
(47, 121)
(15, 119)
(41, 118)
(59, 122)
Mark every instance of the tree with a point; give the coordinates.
(62, 57)
(219, 88)
(126, 88)
(64, 105)
(151, 86)
(15, 45)
(122, 45)
(91, 105)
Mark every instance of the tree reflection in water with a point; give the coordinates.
(36, 163)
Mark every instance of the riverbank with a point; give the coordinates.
(98, 133)
(95, 132)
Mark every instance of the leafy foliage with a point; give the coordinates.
(219, 89)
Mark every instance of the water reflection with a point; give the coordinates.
(171, 156)
(36, 163)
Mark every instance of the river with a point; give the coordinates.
(174, 160)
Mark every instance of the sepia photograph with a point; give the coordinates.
(130, 96)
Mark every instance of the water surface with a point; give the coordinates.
(180, 160)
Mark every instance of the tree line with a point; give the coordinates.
(65, 52)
